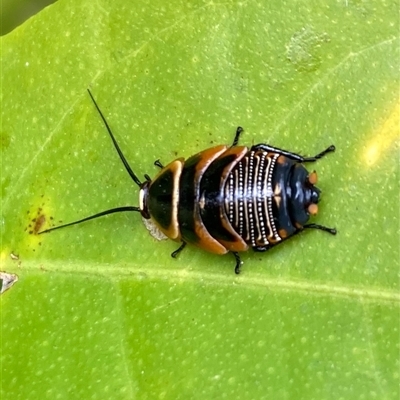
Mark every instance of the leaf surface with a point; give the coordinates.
(101, 310)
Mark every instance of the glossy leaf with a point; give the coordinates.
(101, 310)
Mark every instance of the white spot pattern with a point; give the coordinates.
(249, 198)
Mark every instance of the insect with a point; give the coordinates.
(227, 199)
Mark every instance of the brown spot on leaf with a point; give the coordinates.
(40, 220)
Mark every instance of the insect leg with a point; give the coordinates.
(239, 130)
(293, 156)
(332, 231)
(158, 164)
(238, 262)
(330, 149)
(175, 253)
(263, 248)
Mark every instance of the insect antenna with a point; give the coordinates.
(100, 214)
(121, 155)
(127, 167)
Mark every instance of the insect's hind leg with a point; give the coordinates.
(239, 131)
(293, 156)
(330, 149)
(332, 231)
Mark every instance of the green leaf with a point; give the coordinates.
(101, 310)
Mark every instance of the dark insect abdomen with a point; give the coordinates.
(255, 198)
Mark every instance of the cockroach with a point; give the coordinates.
(226, 199)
